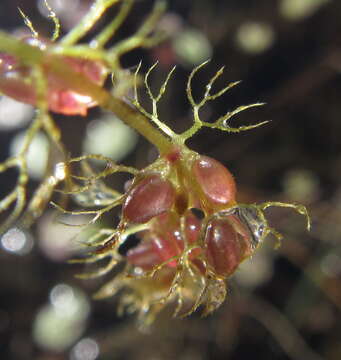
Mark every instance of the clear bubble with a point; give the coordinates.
(138, 270)
(60, 171)
(69, 302)
(60, 323)
(85, 349)
(17, 241)
(63, 299)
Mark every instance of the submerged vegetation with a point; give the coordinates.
(193, 232)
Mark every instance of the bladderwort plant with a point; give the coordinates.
(181, 258)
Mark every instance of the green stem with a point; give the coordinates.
(33, 56)
(28, 54)
(138, 122)
(109, 31)
(88, 21)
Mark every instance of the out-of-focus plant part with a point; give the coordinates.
(302, 185)
(182, 258)
(300, 9)
(254, 38)
(19, 113)
(36, 156)
(108, 128)
(61, 322)
(191, 47)
(58, 237)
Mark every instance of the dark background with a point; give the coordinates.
(291, 310)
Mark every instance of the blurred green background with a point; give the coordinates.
(282, 304)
